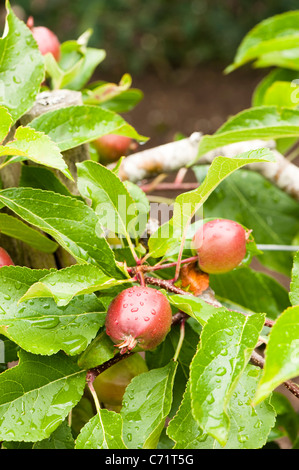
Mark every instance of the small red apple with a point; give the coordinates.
(139, 317)
(111, 147)
(5, 259)
(46, 40)
(221, 245)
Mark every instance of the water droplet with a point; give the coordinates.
(153, 312)
(45, 322)
(129, 437)
(221, 371)
(224, 352)
(210, 399)
(135, 309)
(229, 332)
(125, 305)
(242, 438)
(146, 318)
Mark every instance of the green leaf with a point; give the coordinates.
(38, 147)
(281, 75)
(37, 395)
(194, 306)
(124, 102)
(142, 204)
(282, 353)
(15, 228)
(42, 178)
(281, 94)
(61, 438)
(69, 221)
(251, 289)
(5, 123)
(164, 353)
(294, 286)
(100, 350)
(63, 285)
(100, 92)
(272, 35)
(164, 239)
(77, 125)
(103, 431)
(60, 78)
(249, 426)
(118, 98)
(110, 199)
(41, 327)
(146, 404)
(227, 341)
(187, 204)
(21, 67)
(262, 122)
(92, 57)
(251, 200)
(287, 423)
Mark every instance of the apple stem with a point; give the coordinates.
(158, 266)
(181, 340)
(90, 379)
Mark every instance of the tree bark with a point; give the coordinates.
(175, 155)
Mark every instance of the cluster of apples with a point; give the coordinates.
(140, 317)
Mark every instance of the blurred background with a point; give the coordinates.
(175, 50)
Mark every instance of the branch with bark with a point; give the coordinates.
(175, 155)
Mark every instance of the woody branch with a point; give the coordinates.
(175, 155)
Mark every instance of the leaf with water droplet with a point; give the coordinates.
(20, 78)
(65, 284)
(151, 404)
(282, 353)
(241, 334)
(42, 327)
(247, 430)
(54, 213)
(31, 392)
(103, 431)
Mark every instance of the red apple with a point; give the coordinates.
(221, 245)
(138, 317)
(5, 259)
(46, 40)
(111, 147)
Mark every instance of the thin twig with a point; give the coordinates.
(259, 361)
(169, 187)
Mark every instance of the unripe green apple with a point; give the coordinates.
(111, 384)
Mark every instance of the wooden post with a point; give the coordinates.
(21, 253)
